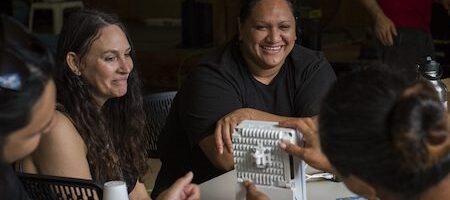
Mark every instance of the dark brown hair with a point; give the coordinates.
(114, 136)
(378, 126)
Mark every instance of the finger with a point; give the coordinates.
(227, 138)
(380, 38)
(187, 189)
(182, 195)
(312, 124)
(384, 39)
(310, 134)
(226, 135)
(389, 36)
(300, 125)
(377, 33)
(183, 181)
(394, 30)
(290, 123)
(292, 149)
(249, 186)
(315, 119)
(218, 138)
(194, 193)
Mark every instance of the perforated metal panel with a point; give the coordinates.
(258, 158)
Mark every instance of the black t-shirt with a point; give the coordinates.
(10, 185)
(222, 84)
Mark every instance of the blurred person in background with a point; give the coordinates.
(27, 100)
(403, 25)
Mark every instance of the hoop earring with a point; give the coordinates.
(77, 72)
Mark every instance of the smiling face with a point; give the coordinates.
(107, 64)
(25, 140)
(268, 34)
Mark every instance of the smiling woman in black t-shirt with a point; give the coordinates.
(261, 75)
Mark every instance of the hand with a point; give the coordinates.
(225, 127)
(311, 152)
(182, 189)
(253, 193)
(385, 30)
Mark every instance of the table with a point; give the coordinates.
(223, 188)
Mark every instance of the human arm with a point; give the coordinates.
(182, 189)
(384, 28)
(311, 153)
(62, 151)
(253, 193)
(213, 145)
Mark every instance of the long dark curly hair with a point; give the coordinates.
(114, 135)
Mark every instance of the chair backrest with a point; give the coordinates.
(157, 107)
(43, 187)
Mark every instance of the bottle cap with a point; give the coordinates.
(431, 69)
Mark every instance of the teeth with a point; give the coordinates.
(271, 48)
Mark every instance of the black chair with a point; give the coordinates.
(157, 107)
(43, 187)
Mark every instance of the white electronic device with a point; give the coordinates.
(258, 158)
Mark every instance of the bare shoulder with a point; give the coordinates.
(62, 151)
(65, 132)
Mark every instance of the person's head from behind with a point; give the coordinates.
(27, 92)
(95, 55)
(267, 31)
(384, 135)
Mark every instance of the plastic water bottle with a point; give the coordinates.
(432, 72)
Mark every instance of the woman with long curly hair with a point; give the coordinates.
(100, 130)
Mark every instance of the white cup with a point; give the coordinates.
(115, 190)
